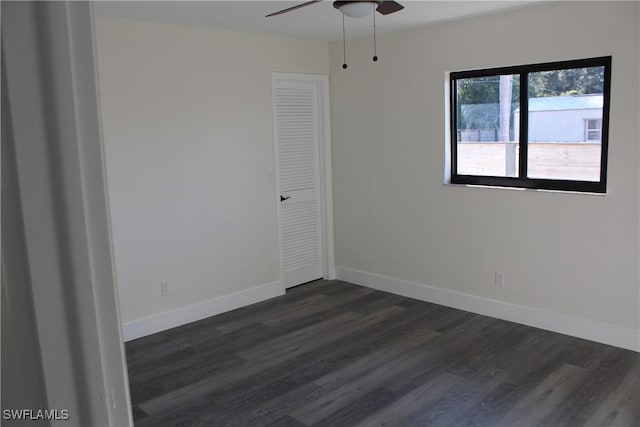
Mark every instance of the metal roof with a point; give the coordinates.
(575, 102)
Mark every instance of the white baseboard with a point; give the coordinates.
(555, 322)
(201, 310)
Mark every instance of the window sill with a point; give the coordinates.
(536, 190)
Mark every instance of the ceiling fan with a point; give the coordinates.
(353, 8)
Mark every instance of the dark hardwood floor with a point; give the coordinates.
(336, 354)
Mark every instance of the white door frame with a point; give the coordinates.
(324, 160)
(49, 67)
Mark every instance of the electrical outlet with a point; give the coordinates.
(164, 288)
(499, 281)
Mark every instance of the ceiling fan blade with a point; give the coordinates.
(389, 6)
(293, 8)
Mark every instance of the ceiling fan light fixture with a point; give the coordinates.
(357, 9)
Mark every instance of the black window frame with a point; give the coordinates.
(522, 181)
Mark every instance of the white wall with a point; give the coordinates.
(570, 254)
(189, 151)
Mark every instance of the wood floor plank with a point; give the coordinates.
(257, 394)
(355, 411)
(304, 340)
(464, 402)
(532, 409)
(385, 351)
(158, 345)
(388, 345)
(476, 359)
(450, 352)
(272, 313)
(585, 353)
(234, 400)
(307, 348)
(376, 302)
(160, 385)
(186, 416)
(401, 410)
(183, 357)
(254, 311)
(621, 408)
(180, 363)
(286, 421)
(604, 378)
(503, 391)
(334, 400)
(142, 345)
(271, 367)
(353, 298)
(331, 353)
(143, 349)
(269, 412)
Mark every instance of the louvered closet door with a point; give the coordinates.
(297, 146)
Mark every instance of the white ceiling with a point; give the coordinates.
(318, 21)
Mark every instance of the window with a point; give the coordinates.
(541, 126)
(593, 130)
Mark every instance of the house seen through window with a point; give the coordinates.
(532, 126)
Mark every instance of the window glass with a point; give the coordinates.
(561, 103)
(594, 130)
(487, 144)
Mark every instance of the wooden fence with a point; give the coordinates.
(554, 160)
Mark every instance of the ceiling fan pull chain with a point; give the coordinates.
(375, 55)
(344, 46)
